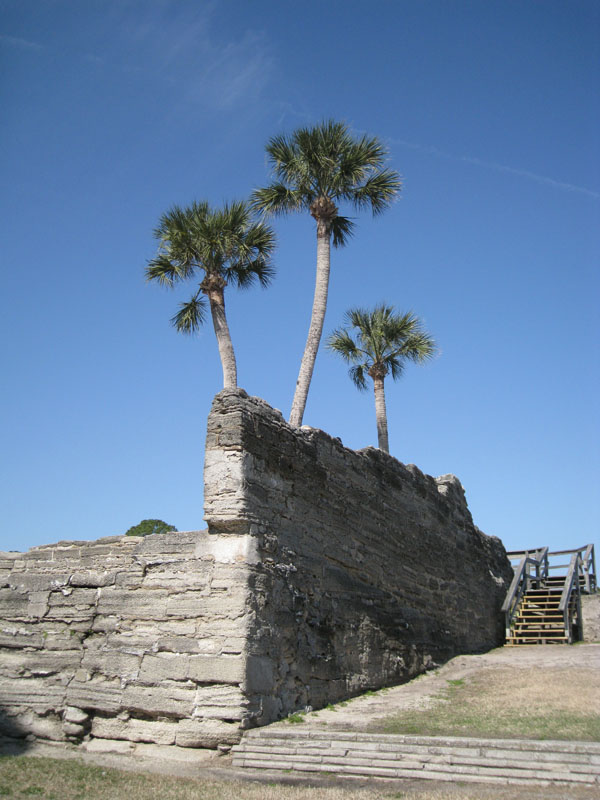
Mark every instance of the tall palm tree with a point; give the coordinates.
(382, 344)
(314, 169)
(223, 246)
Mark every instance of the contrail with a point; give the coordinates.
(569, 187)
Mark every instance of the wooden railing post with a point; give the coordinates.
(565, 598)
(589, 569)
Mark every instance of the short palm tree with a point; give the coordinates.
(314, 169)
(222, 246)
(382, 343)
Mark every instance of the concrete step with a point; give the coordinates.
(436, 758)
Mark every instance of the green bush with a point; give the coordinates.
(149, 526)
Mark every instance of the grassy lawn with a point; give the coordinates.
(523, 704)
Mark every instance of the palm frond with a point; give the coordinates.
(340, 341)
(419, 347)
(377, 192)
(190, 316)
(282, 152)
(357, 162)
(258, 239)
(246, 274)
(166, 272)
(357, 376)
(394, 366)
(277, 199)
(342, 229)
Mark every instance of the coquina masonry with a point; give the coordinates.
(324, 572)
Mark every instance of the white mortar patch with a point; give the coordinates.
(227, 548)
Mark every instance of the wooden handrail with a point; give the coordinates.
(572, 578)
(588, 562)
(517, 553)
(571, 585)
(512, 591)
(521, 580)
(589, 569)
(572, 550)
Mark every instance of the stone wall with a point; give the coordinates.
(324, 572)
(590, 612)
(124, 641)
(367, 571)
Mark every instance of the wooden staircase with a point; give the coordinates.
(546, 609)
(539, 619)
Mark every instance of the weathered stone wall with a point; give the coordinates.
(324, 572)
(368, 571)
(590, 612)
(125, 639)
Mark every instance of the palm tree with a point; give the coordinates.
(314, 169)
(384, 341)
(223, 245)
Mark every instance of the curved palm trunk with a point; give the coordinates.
(316, 325)
(216, 298)
(381, 415)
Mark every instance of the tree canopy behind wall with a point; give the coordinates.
(149, 526)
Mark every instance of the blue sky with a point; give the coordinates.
(114, 110)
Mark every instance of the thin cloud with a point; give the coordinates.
(236, 73)
(521, 173)
(24, 44)
(177, 44)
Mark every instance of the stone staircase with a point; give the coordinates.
(419, 757)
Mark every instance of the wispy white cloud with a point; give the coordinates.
(238, 72)
(16, 41)
(178, 44)
(521, 173)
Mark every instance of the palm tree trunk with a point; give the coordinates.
(217, 309)
(381, 415)
(316, 325)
